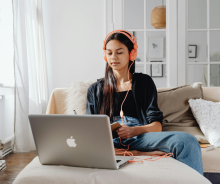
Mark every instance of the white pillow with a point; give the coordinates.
(207, 114)
(76, 96)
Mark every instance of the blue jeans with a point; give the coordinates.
(184, 146)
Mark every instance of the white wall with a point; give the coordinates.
(6, 118)
(6, 71)
(74, 33)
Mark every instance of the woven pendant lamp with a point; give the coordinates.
(158, 17)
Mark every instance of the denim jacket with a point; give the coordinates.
(145, 96)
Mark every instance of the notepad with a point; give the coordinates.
(114, 127)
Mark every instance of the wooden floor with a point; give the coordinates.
(15, 162)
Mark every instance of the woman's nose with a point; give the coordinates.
(114, 55)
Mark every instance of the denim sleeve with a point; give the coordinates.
(153, 112)
(90, 102)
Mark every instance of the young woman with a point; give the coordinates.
(142, 119)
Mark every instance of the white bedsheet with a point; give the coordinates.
(164, 170)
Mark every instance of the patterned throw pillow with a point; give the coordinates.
(207, 114)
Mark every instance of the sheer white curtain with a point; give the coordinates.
(31, 86)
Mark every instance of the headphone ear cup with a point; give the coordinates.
(133, 55)
(104, 55)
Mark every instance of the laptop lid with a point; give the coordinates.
(75, 140)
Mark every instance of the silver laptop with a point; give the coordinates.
(75, 140)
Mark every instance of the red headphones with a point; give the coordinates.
(133, 53)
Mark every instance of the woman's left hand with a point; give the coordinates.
(126, 132)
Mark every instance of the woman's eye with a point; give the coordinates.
(111, 53)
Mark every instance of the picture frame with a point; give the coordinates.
(192, 51)
(156, 70)
(155, 47)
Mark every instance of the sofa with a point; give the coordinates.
(177, 117)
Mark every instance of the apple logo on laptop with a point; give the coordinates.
(71, 142)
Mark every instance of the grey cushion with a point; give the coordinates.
(177, 114)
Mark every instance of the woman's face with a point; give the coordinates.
(117, 55)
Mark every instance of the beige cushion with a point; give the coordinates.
(165, 170)
(174, 102)
(177, 114)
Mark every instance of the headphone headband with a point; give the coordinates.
(122, 31)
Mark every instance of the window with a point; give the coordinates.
(203, 30)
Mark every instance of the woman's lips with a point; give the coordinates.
(115, 63)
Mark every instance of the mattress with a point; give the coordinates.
(165, 170)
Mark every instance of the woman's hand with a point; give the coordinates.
(126, 132)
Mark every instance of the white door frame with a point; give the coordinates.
(182, 42)
(109, 26)
(183, 31)
(113, 15)
(172, 46)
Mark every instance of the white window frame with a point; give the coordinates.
(183, 43)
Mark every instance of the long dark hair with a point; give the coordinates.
(106, 106)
